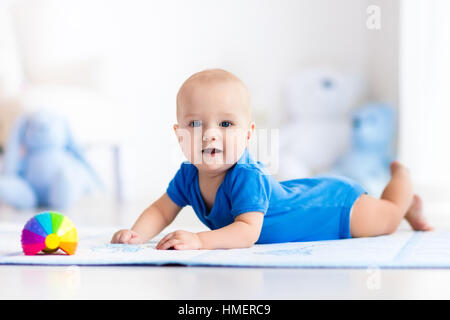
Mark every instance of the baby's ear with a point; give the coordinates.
(251, 130)
(179, 137)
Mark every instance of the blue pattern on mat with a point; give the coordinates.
(408, 247)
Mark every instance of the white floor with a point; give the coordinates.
(176, 282)
(26, 282)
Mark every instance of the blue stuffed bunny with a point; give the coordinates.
(371, 153)
(43, 166)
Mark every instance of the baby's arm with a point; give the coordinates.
(242, 233)
(151, 222)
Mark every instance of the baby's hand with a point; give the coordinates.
(126, 236)
(180, 240)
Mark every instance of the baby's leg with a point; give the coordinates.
(372, 217)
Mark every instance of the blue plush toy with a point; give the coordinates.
(371, 153)
(43, 166)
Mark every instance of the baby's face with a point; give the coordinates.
(214, 124)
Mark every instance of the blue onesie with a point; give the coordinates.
(294, 210)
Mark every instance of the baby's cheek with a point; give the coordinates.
(188, 144)
(193, 152)
(235, 146)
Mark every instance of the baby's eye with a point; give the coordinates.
(195, 123)
(225, 124)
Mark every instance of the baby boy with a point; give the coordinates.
(238, 199)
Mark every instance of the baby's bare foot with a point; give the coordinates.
(415, 215)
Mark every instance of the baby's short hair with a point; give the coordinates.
(209, 76)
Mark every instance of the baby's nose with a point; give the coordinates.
(209, 138)
(211, 135)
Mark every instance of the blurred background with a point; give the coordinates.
(341, 87)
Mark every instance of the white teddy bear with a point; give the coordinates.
(318, 128)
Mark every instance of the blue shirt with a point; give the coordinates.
(294, 210)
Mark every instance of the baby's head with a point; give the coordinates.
(214, 119)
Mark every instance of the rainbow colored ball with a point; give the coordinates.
(48, 232)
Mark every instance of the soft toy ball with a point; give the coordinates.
(48, 232)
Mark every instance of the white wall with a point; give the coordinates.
(425, 96)
(382, 53)
(136, 54)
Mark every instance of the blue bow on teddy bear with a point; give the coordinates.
(372, 151)
(43, 166)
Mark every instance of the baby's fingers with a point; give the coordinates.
(182, 246)
(168, 244)
(125, 237)
(164, 239)
(116, 237)
(135, 239)
(121, 236)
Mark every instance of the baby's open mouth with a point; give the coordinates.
(211, 151)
